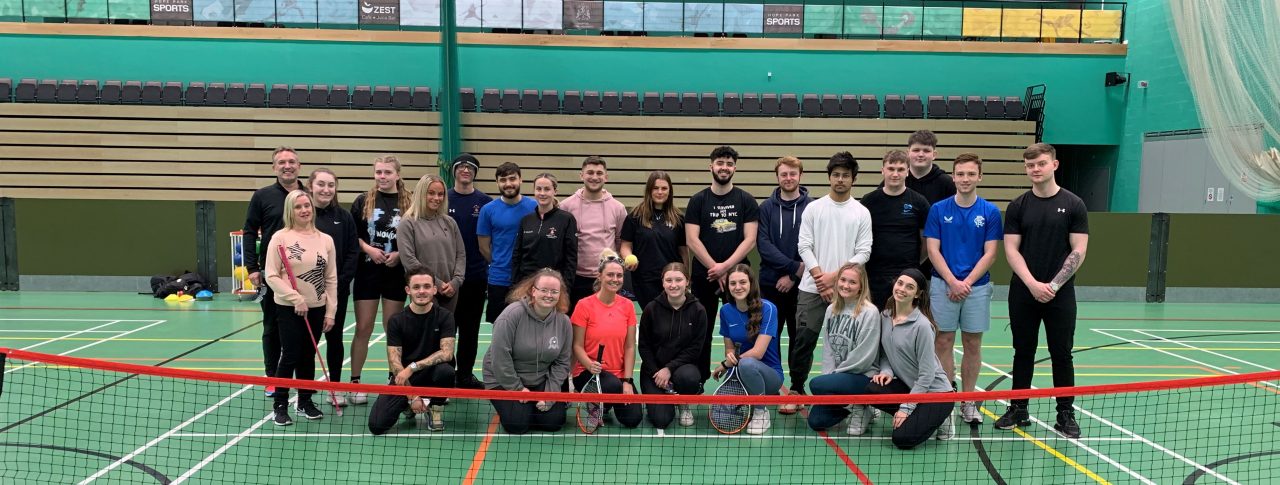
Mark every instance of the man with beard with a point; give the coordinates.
(266, 214)
(419, 348)
(465, 202)
(720, 230)
(780, 263)
(496, 234)
(599, 217)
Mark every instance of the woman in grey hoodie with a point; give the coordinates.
(429, 238)
(909, 365)
(851, 345)
(531, 351)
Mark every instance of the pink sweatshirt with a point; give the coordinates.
(599, 227)
(315, 267)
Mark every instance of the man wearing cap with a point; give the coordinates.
(465, 202)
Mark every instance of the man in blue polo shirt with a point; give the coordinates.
(496, 233)
(962, 234)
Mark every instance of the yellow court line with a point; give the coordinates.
(1056, 454)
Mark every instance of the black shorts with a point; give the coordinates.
(374, 281)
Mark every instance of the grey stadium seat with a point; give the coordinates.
(340, 96)
(87, 92)
(912, 107)
(318, 96)
(256, 95)
(362, 97)
(278, 97)
(894, 107)
(467, 99)
(236, 94)
(401, 97)
(195, 95)
(171, 93)
(67, 91)
(131, 93)
(651, 104)
(550, 101)
(769, 105)
(381, 97)
(299, 96)
(629, 103)
(572, 102)
(47, 91)
(732, 105)
(421, 99)
(26, 91)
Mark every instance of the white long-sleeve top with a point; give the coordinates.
(832, 234)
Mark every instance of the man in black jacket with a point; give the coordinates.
(332, 219)
(266, 214)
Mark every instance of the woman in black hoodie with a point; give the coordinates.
(672, 329)
(548, 237)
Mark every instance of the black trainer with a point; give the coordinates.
(1067, 424)
(1014, 416)
(281, 417)
(469, 381)
(309, 410)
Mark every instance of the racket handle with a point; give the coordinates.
(600, 353)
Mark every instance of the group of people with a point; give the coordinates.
(885, 281)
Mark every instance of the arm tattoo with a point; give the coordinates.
(1069, 268)
(445, 353)
(393, 359)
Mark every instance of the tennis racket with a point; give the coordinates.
(293, 282)
(591, 414)
(730, 418)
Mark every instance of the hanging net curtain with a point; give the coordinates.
(1231, 52)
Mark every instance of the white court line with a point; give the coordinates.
(68, 320)
(62, 331)
(1225, 356)
(718, 436)
(173, 431)
(242, 435)
(29, 347)
(1214, 330)
(1188, 359)
(90, 344)
(1273, 342)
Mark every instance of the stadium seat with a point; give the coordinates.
(830, 105)
(591, 102)
(788, 105)
(131, 93)
(810, 105)
(510, 100)
(490, 101)
(318, 96)
(869, 107)
(732, 105)
(152, 92)
(937, 107)
(26, 91)
(610, 103)
(421, 98)
(236, 94)
(849, 105)
(381, 98)
(171, 93)
(529, 101)
(893, 107)
(256, 95)
(572, 102)
(6, 89)
(955, 107)
(47, 91)
(670, 103)
(87, 92)
(401, 97)
(995, 108)
(66, 91)
(550, 101)
(278, 97)
(215, 94)
(299, 96)
(689, 104)
(750, 104)
(195, 94)
(1014, 109)
(629, 103)
(769, 105)
(362, 97)
(975, 109)
(340, 96)
(912, 107)
(110, 92)
(709, 105)
(467, 99)
(651, 103)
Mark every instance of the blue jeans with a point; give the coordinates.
(825, 416)
(759, 378)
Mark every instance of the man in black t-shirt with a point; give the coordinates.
(1046, 237)
(266, 214)
(419, 348)
(720, 230)
(898, 215)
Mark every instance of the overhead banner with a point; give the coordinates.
(583, 14)
(783, 19)
(380, 12)
(171, 10)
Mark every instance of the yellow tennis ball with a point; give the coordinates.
(631, 260)
(240, 273)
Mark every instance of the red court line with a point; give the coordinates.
(172, 308)
(835, 447)
(481, 451)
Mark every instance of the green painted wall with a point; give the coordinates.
(105, 237)
(1223, 250)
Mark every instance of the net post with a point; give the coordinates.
(1158, 259)
(3, 356)
(8, 245)
(206, 243)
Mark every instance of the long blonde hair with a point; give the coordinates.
(404, 198)
(419, 206)
(289, 201)
(863, 297)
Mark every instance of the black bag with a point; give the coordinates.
(188, 283)
(159, 281)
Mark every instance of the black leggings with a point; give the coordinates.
(521, 417)
(334, 349)
(297, 351)
(1059, 317)
(270, 335)
(470, 307)
(386, 410)
(497, 301)
(921, 424)
(707, 293)
(684, 381)
(628, 415)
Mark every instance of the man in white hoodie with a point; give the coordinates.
(834, 230)
(599, 217)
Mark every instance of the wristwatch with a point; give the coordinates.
(413, 366)
(1054, 286)
(628, 380)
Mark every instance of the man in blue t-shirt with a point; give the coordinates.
(962, 234)
(496, 234)
(465, 202)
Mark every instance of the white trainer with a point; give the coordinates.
(685, 414)
(759, 421)
(947, 430)
(858, 420)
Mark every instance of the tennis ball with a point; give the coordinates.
(631, 260)
(240, 273)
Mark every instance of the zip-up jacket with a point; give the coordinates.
(546, 241)
(341, 227)
(779, 236)
(669, 337)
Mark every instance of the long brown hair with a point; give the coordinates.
(525, 288)
(677, 266)
(644, 211)
(404, 198)
(755, 307)
(863, 297)
(921, 300)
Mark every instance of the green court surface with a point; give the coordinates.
(152, 429)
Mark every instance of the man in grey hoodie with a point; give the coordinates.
(778, 242)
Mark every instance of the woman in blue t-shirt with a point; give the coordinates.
(751, 324)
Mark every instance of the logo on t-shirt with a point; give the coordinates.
(979, 221)
(1062, 211)
(946, 219)
(551, 233)
(475, 211)
(908, 208)
(724, 225)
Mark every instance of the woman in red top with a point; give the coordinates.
(609, 319)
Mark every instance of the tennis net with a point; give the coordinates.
(75, 420)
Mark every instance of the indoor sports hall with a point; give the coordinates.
(136, 138)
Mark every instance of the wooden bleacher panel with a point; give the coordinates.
(214, 153)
